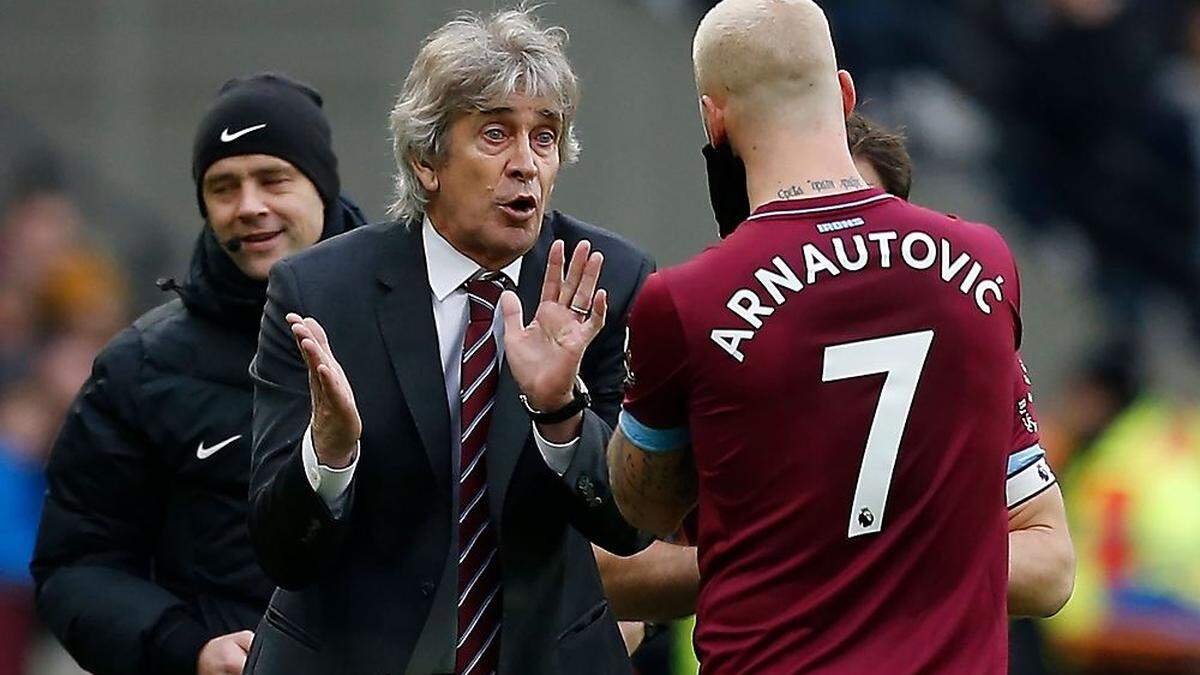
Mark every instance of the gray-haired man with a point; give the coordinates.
(419, 497)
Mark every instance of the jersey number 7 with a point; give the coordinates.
(902, 357)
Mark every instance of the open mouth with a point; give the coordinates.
(260, 240)
(520, 208)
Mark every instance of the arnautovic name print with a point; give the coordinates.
(751, 305)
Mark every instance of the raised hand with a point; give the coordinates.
(544, 356)
(336, 425)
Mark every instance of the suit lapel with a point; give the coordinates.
(405, 315)
(510, 423)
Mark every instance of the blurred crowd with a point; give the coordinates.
(62, 296)
(1086, 113)
(1083, 117)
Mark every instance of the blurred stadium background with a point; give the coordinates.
(1072, 125)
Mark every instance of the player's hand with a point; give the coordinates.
(225, 655)
(544, 356)
(336, 425)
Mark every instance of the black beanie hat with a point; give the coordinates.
(268, 114)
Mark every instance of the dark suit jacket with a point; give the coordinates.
(356, 591)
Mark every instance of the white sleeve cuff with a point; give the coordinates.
(329, 483)
(557, 456)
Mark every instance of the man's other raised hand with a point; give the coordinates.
(336, 425)
(544, 356)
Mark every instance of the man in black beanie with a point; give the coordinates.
(267, 133)
(143, 561)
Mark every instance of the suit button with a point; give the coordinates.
(427, 588)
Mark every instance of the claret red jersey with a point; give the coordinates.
(844, 370)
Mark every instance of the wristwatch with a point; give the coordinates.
(582, 399)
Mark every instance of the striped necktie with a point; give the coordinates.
(479, 596)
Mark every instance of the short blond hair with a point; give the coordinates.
(470, 64)
(765, 53)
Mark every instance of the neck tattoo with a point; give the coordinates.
(820, 186)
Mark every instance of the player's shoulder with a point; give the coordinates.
(718, 260)
(956, 238)
(686, 282)
(684, 275)
(952, 227)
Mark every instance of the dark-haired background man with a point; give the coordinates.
(143, 561)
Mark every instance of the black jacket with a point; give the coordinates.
(143, 554)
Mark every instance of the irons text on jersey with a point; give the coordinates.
(758, 300)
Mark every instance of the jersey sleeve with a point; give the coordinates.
(1029, 473)
(654, 414)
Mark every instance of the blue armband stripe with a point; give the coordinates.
(1020, 460)
(650, 439)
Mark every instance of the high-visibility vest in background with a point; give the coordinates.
(1133, 505)
(683, 654)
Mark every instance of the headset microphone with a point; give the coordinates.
(233, 244)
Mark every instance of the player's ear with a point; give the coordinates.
(425, 173)
(713, 118)
(849, 95)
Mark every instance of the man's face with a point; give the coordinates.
(488, 194)
(267, 205)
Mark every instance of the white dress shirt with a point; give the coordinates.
(448, 271)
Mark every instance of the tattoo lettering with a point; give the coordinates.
(823, 185)
(790, 192)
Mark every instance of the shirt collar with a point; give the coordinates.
(448, 268)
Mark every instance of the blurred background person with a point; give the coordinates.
(1105, 150)
(61, 298)
(1132, 488)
